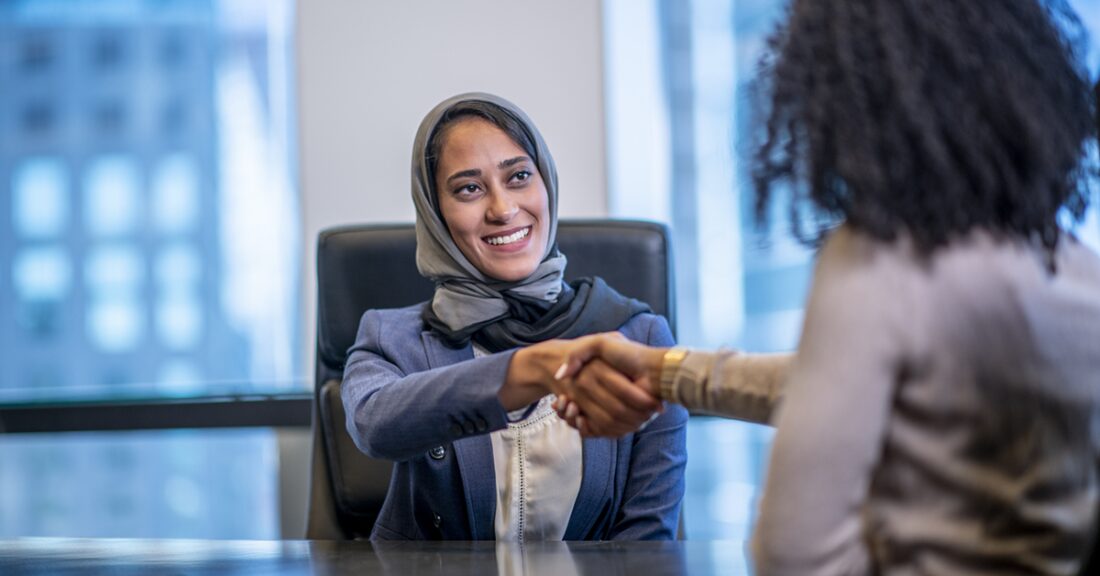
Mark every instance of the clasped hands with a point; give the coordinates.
(606, 385)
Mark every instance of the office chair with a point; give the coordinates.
(374, 266)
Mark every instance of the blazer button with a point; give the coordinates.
(482, 425)
(437, 453)
(436, 520)
(468, 427)
(456, 429)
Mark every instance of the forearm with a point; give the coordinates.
(395, 416)
(743, 386)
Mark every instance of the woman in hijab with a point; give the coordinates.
(455, 390)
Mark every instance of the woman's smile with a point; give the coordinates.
(509, 239)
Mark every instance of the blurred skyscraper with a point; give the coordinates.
(148, 248)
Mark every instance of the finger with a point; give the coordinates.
(569, 412)
(597, 430)
(592, 415)
(589, 429)
(607, 396)
(633, 394)
(566, 369)
(603, 413)
(583, 350)
(560, 405)
(629, 357)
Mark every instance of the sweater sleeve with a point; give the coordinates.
(831, 425)
(726, 383)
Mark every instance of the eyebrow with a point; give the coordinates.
(512, 161)
(464, 174)
(474, 172)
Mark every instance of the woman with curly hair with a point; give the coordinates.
(942, 413)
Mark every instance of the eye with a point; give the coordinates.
(466, 190)
(521, 176)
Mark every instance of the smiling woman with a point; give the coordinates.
(453, 390)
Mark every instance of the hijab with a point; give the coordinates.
(501, 315)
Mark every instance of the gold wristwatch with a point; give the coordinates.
(670, 364)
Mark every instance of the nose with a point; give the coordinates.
(502, 207)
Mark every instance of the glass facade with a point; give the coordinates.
(164, 484)
(677, 108)
(148, 248)
(145, 155)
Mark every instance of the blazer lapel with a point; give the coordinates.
(479, 482)
(439, 354)
(474, 455)
(598, 457)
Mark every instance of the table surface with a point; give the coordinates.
(125, 556)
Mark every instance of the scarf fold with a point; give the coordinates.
(501, 315)
(586, 306)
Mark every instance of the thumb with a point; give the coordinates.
(569, 368)
(583, 350)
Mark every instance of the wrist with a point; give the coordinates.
(670, 363)
(523, 383)
(654, 362)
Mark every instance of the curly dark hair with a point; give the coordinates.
(930, 116)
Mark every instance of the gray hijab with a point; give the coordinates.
(464, 297)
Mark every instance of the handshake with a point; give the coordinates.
(606, 385)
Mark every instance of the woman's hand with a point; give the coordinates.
(608, 385)
(531, 373)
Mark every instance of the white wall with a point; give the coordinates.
(368, 71)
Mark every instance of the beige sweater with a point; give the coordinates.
(941, 416)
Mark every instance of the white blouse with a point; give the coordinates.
(538, 469)
(538, 474)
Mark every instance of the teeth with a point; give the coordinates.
(500, 240)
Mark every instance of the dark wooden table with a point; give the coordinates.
(74, 556)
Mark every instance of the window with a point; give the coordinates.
(676, 83)
(166, 484)
(40, 191)
(149, 250)
(159, 211)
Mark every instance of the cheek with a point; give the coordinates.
(544, 218)
(454, 218)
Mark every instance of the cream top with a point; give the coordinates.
(538, 469)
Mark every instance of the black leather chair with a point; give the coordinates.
(373, 266)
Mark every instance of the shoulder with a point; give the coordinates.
(855, 266)
(1078, 259)
(852, 252)
(864, 285)
(392, 324)
(408, 316)
(648, 328)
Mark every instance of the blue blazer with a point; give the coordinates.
(430, 408)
